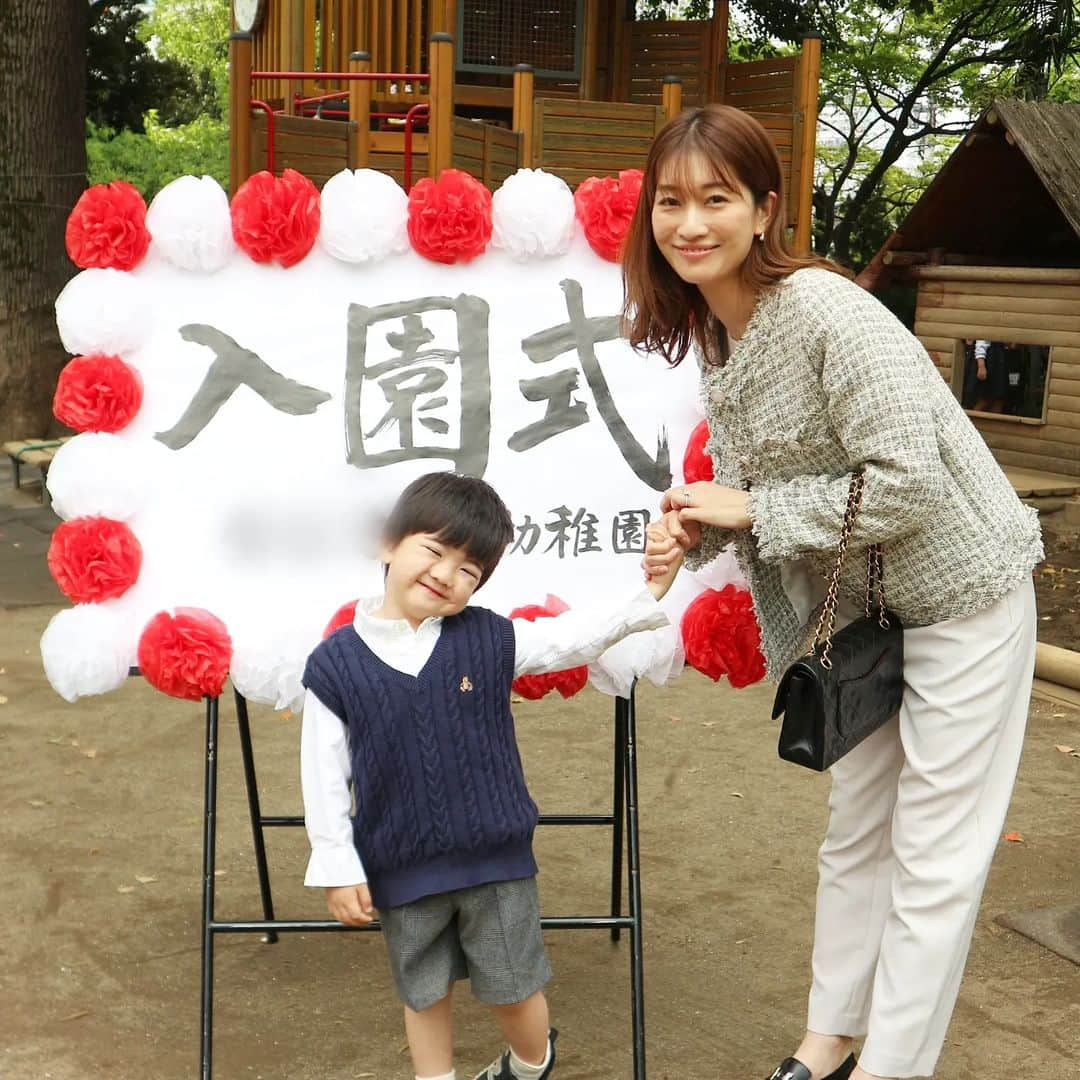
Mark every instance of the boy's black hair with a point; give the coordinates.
(462, 511)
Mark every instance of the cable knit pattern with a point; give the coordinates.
(440, 792)
(824, 381)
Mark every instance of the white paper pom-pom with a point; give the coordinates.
(365, 216)
(103, 311)
(533, 215)
(656, 655)
(266, 669)
(190, 224)
(86, 650)
(114, 476)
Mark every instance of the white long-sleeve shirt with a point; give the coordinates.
(571, 639)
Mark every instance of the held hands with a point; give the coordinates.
(351, 904)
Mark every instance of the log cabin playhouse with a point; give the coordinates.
(993, 250)
(576, 87)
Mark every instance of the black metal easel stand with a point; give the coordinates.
(624, 808)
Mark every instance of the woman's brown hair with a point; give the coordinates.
(661, 312)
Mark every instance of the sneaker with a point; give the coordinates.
(499, 1069)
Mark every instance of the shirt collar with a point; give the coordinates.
(369, 623)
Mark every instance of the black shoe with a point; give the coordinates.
(793, 1069)
(499, 1069)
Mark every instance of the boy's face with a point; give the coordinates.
(426, 577)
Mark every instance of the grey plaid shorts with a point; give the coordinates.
(489, 934)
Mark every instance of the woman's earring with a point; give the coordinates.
(761, 237)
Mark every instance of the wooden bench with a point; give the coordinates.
(37, 453)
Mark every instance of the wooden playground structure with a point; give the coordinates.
(576, 87)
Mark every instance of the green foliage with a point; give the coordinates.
(150, 159)
(124, 78)
(158, 84)
(195, 35)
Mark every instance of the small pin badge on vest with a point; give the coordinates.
(466, 683)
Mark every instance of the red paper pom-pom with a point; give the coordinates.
(97, 393)
(697, 465)
(605, 206)
(568, 682)
(276, 218)
(721, 636)
(187, 654)
(94, 558)
(342, 617)
(450, 218)
(107, 227)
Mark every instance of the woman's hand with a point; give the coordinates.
(705, 503)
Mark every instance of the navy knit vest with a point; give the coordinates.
(440, 794)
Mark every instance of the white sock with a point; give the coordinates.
(522, 1070)
(451, 1075)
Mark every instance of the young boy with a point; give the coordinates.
(410, 708)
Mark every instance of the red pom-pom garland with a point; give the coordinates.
(276, 218)
(186, 654)
(344, 616)
(107, 227)
(94, 559)
(605, 205)
(450, 218)
(568, 682)
(721, 636)
(697, 465)
(97, 393)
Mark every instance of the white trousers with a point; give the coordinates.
(916, 812)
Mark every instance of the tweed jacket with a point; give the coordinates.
(824, 381)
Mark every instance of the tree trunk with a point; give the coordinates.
(42, 172)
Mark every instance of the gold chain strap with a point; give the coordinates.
(875, 569)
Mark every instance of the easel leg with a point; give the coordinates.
(209, 838)
(618, 807)
(255, 812)
(637, 966)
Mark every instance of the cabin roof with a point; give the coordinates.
(1010, 191)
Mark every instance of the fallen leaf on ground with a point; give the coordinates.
(3, 700)
(286, 714)
(37, 803)
(125, 888)
(76, 1015)
(220, 873)
(145, 879)
(95, 851)
(1014, 838)
(56, 740)
(90, 753)
(1064, 749)
(1058, 715)
(736, 794)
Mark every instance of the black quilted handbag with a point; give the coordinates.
(851, 681)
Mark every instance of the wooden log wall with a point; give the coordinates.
(579, 139)
(485, 151)
(1032, 311)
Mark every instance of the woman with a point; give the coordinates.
(806, 379)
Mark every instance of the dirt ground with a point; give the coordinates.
(100, 840)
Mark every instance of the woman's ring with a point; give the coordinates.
(686, 496)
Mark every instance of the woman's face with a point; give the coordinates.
(702, 227)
